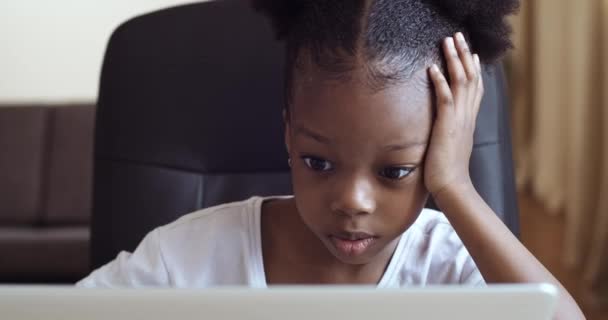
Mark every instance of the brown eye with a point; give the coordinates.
(396, 173)
(317, 164)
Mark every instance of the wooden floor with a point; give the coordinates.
(542, 234)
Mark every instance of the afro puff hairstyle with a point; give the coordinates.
(393, 38)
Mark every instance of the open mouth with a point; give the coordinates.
(352, 243)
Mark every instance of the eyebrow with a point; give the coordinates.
(322, 139)
(407, 145)
(311, 134)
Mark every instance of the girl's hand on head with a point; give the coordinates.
(447, 159)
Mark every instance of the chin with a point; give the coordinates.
(352, 260)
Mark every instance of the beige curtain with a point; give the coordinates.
(558, 76)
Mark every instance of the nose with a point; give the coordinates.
(353, 197)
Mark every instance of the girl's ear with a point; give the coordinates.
(287, 131)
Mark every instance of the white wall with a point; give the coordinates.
(51, 50)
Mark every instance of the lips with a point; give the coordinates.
(352, 235)
(352, 243)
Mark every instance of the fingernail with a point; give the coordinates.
(460, 36)
(435, 68)
(451, 45)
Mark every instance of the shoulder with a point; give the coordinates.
(202, 248)
(433, 232)
(435, 252)
(431, 221)
(228, 213)
(230, 219)
(211, 246)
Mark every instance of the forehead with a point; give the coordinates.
(349, 108)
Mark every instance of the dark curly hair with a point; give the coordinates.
(390, 38)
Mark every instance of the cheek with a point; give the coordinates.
(307, 189)
(402, 207)
(302, 184)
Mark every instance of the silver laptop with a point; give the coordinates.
(496, 302)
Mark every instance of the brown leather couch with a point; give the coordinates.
(45, 192)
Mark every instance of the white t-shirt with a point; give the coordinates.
(222, 245)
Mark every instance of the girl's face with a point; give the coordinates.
(357, 161)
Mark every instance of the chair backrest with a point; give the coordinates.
(189, 116)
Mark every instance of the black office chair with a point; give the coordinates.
(189, 116)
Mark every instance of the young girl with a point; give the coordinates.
(382, 101)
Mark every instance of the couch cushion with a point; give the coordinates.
(44, 252)
(70, 165)
(22, 144)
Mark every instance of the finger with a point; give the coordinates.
(445, 99)
(458, 78)
(466, 58)
(480, 88)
